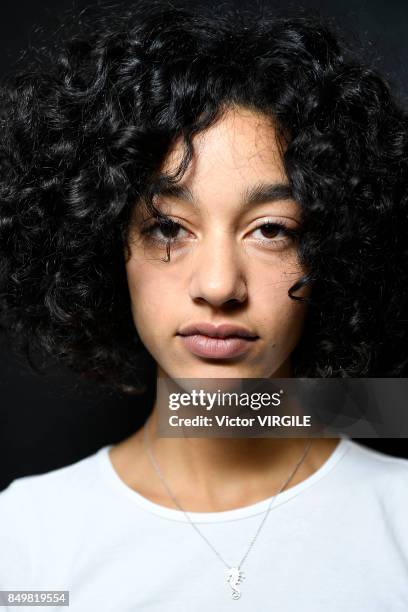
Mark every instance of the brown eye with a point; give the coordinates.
(168, 229)
(274, 235)
(271, 230)
(163, 231)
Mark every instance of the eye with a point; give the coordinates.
(273, 234)
(163, 231)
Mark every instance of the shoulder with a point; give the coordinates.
(383, 476)
(40, 516)
(376, 462)
(28, 498)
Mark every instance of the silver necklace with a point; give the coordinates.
(235, 575)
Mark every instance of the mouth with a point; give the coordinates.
(217, 347)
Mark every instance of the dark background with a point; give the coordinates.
(52, 420)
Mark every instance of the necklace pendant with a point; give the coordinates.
(234, 578)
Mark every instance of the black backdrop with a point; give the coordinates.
(50, 421)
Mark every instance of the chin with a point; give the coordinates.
(220, 370)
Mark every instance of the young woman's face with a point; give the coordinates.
(229, 263)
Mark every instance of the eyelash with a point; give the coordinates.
(168, 223)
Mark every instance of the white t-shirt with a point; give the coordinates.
(338, 541)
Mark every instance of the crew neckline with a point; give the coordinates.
(110, 474)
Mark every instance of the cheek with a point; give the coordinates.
(150, 298)
(281, 316)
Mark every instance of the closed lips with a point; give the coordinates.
(222, 342)
(224, 330)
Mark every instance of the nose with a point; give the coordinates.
(217, 275)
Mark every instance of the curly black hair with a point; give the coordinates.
(86, 127)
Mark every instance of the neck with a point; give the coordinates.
(216, 474)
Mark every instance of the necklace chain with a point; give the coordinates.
(261, 524)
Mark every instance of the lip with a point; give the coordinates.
(224, 330)
(217, 341)
(216, 348)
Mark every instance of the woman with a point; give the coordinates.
(208, 198)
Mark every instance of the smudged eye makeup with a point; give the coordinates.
(270, 234)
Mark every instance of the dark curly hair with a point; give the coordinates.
(87, 125)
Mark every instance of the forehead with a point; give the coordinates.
(241, 148)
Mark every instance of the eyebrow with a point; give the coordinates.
(260, 193)
(263, 193)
